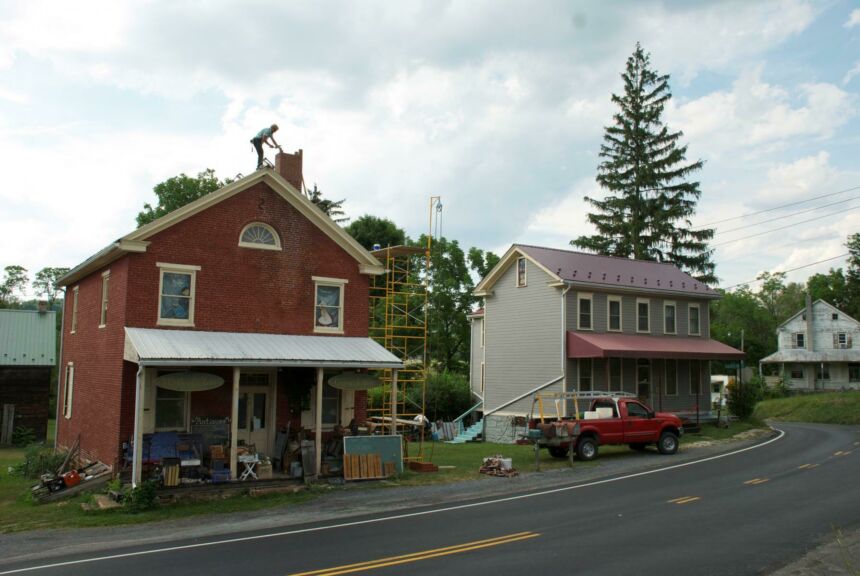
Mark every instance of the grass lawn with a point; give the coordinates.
(825, 408)
(456, 461)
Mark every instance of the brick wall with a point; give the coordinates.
(97, 356)
(237, 290)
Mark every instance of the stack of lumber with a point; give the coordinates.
(365, 467)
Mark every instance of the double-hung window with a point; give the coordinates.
(613, 313)
(328, 305)
(104, 302)
(671, 377)
(854, 372)
(69, 390)
(75, 309)
(693, 329)
(797, 372)
(584, 318)
(643, 315)
(170, 409)
(798, 340)
(521, 272)
(585, 378)
(176, 293)
(669, 318)
(822, 371)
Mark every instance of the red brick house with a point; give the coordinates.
(236, 308)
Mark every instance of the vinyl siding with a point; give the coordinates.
(523, 339)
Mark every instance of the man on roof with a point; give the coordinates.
(266, 135)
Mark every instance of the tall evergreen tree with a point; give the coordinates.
(646, 211)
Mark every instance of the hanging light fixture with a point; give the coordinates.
(189, 381)
(354, 380)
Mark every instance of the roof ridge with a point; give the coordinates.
(598, 255)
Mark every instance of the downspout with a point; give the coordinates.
(60, 375)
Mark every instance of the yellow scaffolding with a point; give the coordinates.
(398, 321)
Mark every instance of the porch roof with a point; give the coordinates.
(801, 355)
(587, 345)
(153, 347)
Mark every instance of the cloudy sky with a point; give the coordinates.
(497, 106)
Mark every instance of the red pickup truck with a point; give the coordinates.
(609, 421)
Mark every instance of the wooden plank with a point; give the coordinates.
(390, 448)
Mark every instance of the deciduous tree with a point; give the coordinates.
(369, 230)
(45, 283)
(178, 191)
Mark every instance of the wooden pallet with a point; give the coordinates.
(365, 467)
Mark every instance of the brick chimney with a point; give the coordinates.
(289, 166)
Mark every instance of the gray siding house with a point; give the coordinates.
(818, 350)
(559, 320)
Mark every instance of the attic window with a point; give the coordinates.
(259, 235)
(834, 316)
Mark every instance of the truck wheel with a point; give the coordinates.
(668, 443)
(638, 446)
(558, 451)
(586, 449)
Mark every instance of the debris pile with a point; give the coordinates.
(69, 479)
(498, 466)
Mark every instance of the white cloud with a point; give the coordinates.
(853, 19)
(851, 73)
(755, 114)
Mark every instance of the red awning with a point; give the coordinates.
(587, 345)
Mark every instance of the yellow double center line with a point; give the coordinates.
(684, 500)
(416, 556)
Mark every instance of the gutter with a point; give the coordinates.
(60, 375)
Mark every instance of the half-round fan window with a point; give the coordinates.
(259, 235)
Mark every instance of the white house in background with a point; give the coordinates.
(818, 349)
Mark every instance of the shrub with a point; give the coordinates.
(743, 397)
(23, 436)
(38, 460)
(448, 396)
(140, 498)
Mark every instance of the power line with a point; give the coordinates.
(709, 224)
(781, 245)
(784, 227)
(813, 209)
(787, 271)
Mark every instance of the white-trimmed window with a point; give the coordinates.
(798, 340)
(643, 315)
(75, 309)
(854, 372)
(328, 304)
(797, 372)
(482, 377)
(261, 236)
(822, 371)
(104, 303)
(176, 291)
(171, 409)
(521, 272)
(695, 377)
(69, 390)
(671, 377)
(586, 380)
(694, 328)
(584, 302)
(483, 329)
(841, 340)
(613, 313)
(669, 318)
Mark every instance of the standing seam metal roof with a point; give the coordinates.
(153, 346)
(28, 338)
(615, 272)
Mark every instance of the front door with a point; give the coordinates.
(643, 380)
(254, 412)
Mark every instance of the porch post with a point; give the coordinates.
(234, 423)
(137, 454)
(393, 402)
(318, 421)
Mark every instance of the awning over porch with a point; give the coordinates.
(153, 347)
(801, 356)
(586, 345)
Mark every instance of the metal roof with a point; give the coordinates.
(152, 347)
(588, 345)
(801, 355)
(614, 272)
(28, 338)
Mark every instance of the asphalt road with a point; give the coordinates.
(748, 512)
